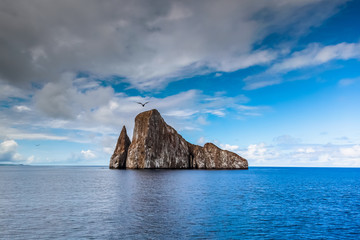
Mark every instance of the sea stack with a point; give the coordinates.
(155, 144)
(118, 159)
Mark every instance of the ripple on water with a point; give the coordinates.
(260, 203)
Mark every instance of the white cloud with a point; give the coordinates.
(256, 152)
(30, 160)
(217, 112)
(63, 100)
(8, 132)
(296, 155)
(260, 83)
(202, 120)
(66, 105)
(34, 136)
(229, 147)
(306, 150)
(348, 81)
(353, 152)
(88, 154)
(7, 90)
(286, 139)
(83, 105)
(201, 141)
(324, 158)
(8, 146)
(9, 154)
(56, 68)
(313, 55)
(108, 150)
(234, 63)
(136, 39)
(21, 108)
(180, 113)
(316, 54)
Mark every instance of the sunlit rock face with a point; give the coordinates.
(118, 159)
(157, 145)
(212, 157)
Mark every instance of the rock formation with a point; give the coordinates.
(118, 159)
(212, 157)
(157, 145)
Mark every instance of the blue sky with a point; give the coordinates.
(275, 81)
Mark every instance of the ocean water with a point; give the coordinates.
(259, 203)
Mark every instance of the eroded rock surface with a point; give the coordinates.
(118, 159)
(212, 157)
(157, 145)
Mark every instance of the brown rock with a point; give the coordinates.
(157, 145)
(118, 159)
(212, 157)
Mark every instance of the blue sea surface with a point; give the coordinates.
(259, 203)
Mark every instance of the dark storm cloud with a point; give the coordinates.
(146, 42)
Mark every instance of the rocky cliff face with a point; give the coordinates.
(212, 157)
(118, 159)
(157, 145)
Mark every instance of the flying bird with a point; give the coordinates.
(37, 145)
(142, 104)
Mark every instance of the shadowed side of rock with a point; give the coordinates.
(156, 145)
(118, 159)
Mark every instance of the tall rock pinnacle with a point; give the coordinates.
(156, 145)
(118, 159)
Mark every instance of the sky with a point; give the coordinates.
(276, 81)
